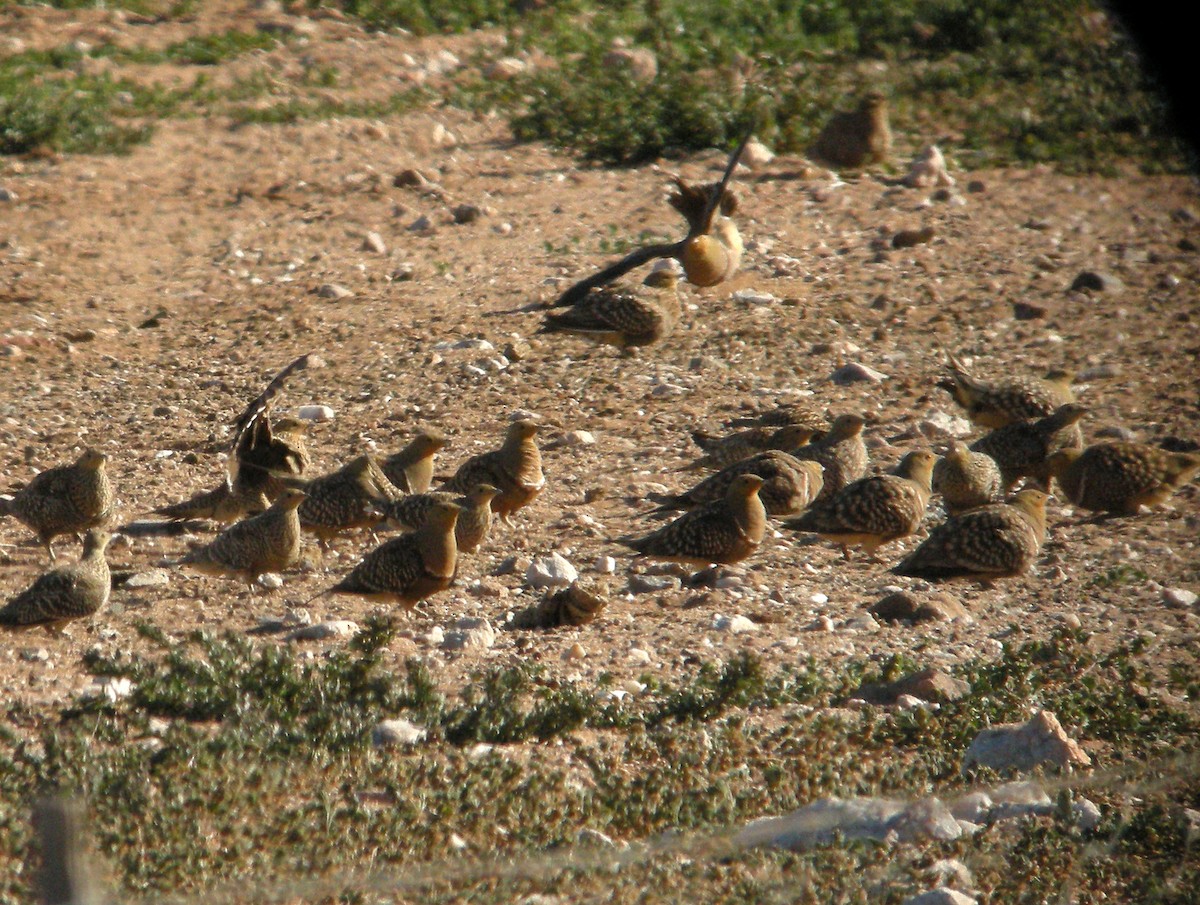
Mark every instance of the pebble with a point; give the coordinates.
(1093, 281)
(403, 273)
(271, 580)
(318, 413)
(943, 895)
(421, 225)
(7, 194)
(466, 213)
(155, 578)
(973, 807)
(576, 651)
(553, 571)
(443, 137)
(1086, 813)
(854, 372)
(334, 291)
(907, 238)
(374, 242)
(435, 636)
(470, 634)
(752, 297)
(590, 837)
(322, 631)
(605, 565)
(820, 624)
(110, 688)
(735, 625)
(505, 68)
(1179, 598)
(396, 732)
(649, 584)
(639, 656)
(757, 155)
(941, 424)
(576, 438)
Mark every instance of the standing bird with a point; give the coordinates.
(722, 451)
(1022, 448)
(789, 484)
(996, 541)
(726, 531)
(800, 413)
(223, 504)
(967, 479)
(515, 469)
(268, 542)
(66, 499)
(841, 453)
(622, 316)
(343, 499)
(262, 454)
(474, 521)
(998, 403)
(411, 469)
(407, 569)
(854, 139)
(1122, 477)
(67, 592)
(874, 511)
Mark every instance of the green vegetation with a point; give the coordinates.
(236, 761)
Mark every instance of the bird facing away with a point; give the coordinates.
(343, 499)
(967, 479)
(996, 541)
(726, 531)
(66, 499)
(223, 504)
(841, 453)
(67, 592)
(572, 606)
(855, 139)
(1021, 449)
(994, 404)
(474, 521)
(722, 451)
(710, 252)
(407, 569)
(801, 413)
(262, 452)
(411, 469)
(1120, 478)
(622, 316)
(268, 542)
(871, 512)
(515, 469)
(789, 484)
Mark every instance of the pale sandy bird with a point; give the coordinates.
(223, 504)
(475, 520)
(344, 499)
(622, 316)
(854, 139)
(67, 592)
(571, 606)
(268, 542)
(515, 468)
(998, 403)
(411, 469)
(841, 453)
(722, 451)
(789, 484)
(710, 252)
(407, 569)
(996, 541)
(873, 511)
(66, 499)
(967, 479)
(803, 414)
(1121, 478)
(1021, 449)
(726, 531)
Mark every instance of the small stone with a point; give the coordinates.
(318, 413)
(1019, 799)
(155, 578)
(639, 656)
(576, 651)
(751, 297)
(335, 292)
(943, 895)
(856, 373)
(942, 425)
(1092, 281)
(735, 625)
(605, 565)
(928, 170)
(861, 623)
(435, 636)
(591, 837)
(907, 238)
(926, 685)
(482, 587)
(553, 571)
(271, 581)
(908, 702)
(757, 155)
(1086, 813)
(457, 842)
(639, 62)
(466, 213)
(575, 438)
(1024, 310)
(470, 634)
(374, 242)
(1179, 598)
(403, 273)
(7, 194)
(109, 688)
(951, 869)
(410, 178)
(1022, 747)
(505, 68)
(904, 605)
(323, 631)
(821, 624)
(35, 655)
(650, 584)
(391, 733)
(421, 225)
(1116, 432)
(974, 807)
(443, 137)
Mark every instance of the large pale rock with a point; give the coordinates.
(1021, 747)
(854, 818)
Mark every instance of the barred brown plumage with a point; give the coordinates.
(268, 542)
(67, 592)
(1021, 449)
(841, 453)
(966, 479)
(515, 469)
(65, 499)
(1121, 477)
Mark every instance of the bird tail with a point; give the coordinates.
(705, 440)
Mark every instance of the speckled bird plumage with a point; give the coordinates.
(223, 504)
(856, 138)
(66, 592)
(1021, 449)
(411, 567)
(1121, 477)
(997, 403)
(572, 606)
(473, 522)
(343, 499)
(876, 510)
(967, 479)
(267, 542)
(622, 316)
(802, 414)
(789, 484)
(66, 499)
(841, 453)
(722, 451)
(411, 469)
(995, 541)
(726, 531)
(515, 469)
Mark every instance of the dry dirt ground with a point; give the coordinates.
(145, 299)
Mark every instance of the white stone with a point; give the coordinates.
(639, 657)
(577, 438)
(757, 155)
(505, 68)
(1023, 746)
(974, 806)
(374, 242)
(1179, 598)
(1086, 813)
(943, 424)
(271, 580)
(155, 578)
(929, 170)
(819, 598)
(735, 625)
(474, 344)
(751, 297)
(110, 688)
(605, 565)
(317, 413)
(855, 372)
(396, 732)
(435, 636)
(853, 818)
(334, 291)
(943, 895)
(589, 836)
(553, 571)
(331, 628)
(470, 634)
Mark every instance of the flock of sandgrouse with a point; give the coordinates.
(786, 463)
